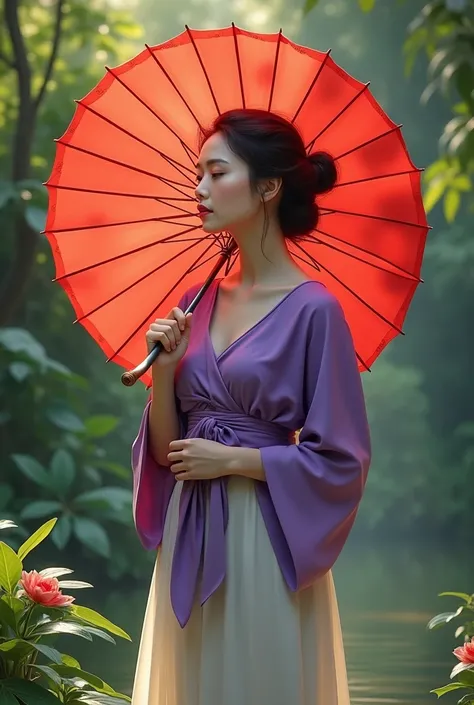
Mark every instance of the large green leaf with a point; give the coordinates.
(7, 615)
(9, 645)
(50, 653)
(367, 5)
(10, 567)
(101, 634)
(447, 689)
(36, 538)
(41, 508)
(451, 203)
(21, 647)
(434, 192)
(18, 340)
(467, 676)
(91, 697)
(70, 661)
(30, 693)
(93, 617)
(99, 426)
(32, 469)
(49, 673)
(63, 470)
(62, 532)
(94, 681)
(462, 595)
(7, 697)
(457, 670)
(92, 535)
(64, 418)
(15, 604)
(114, 497)
(63, 628)
(16, 649)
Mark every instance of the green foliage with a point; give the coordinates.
(68, 469)
(407, 458)
(365, 5)
(464, 670)
(59, 443)
(445, 180)
(445, 31)
(32, 608)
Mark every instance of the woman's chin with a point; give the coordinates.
(211, 226)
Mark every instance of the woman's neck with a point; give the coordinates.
(272, 266)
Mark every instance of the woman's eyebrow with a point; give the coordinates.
(210, 162)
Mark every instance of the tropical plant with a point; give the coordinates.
(463, 672)
(33, 612)
(58, 459)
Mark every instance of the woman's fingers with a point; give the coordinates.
(173, 333)
(180, 318)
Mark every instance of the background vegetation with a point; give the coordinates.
(66, 423)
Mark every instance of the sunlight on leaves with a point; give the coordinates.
(452, 201)
(366, 5)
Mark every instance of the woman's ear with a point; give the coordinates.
(269, 188)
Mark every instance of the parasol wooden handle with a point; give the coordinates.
(131, 376)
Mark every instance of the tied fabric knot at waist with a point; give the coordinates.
(192, 547)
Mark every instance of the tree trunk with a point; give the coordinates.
(26, 238)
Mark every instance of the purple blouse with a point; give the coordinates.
(294, 369)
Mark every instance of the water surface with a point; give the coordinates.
(386, 597)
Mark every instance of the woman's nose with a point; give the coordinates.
(201, 192)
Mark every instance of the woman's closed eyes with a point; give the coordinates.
(199, 178)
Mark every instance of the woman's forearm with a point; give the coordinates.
(246, 462)
(163, 422)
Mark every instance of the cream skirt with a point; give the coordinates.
(254, 642)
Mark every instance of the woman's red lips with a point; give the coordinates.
(203, 209)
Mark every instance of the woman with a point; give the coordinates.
(249, 523)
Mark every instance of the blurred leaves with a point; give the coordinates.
(444, 31)
(365, 5)
(445, 180)
(64, 469)
(405, 453)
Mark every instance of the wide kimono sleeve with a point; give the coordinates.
(314, 487)
(153, 483)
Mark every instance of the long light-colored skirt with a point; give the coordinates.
(254, 642)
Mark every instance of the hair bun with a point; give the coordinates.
(326, 172)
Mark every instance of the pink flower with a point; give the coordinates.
(465, 653)
(44, 591)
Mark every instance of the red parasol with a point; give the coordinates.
(122, 219)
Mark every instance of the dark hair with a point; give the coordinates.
(272, 147)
